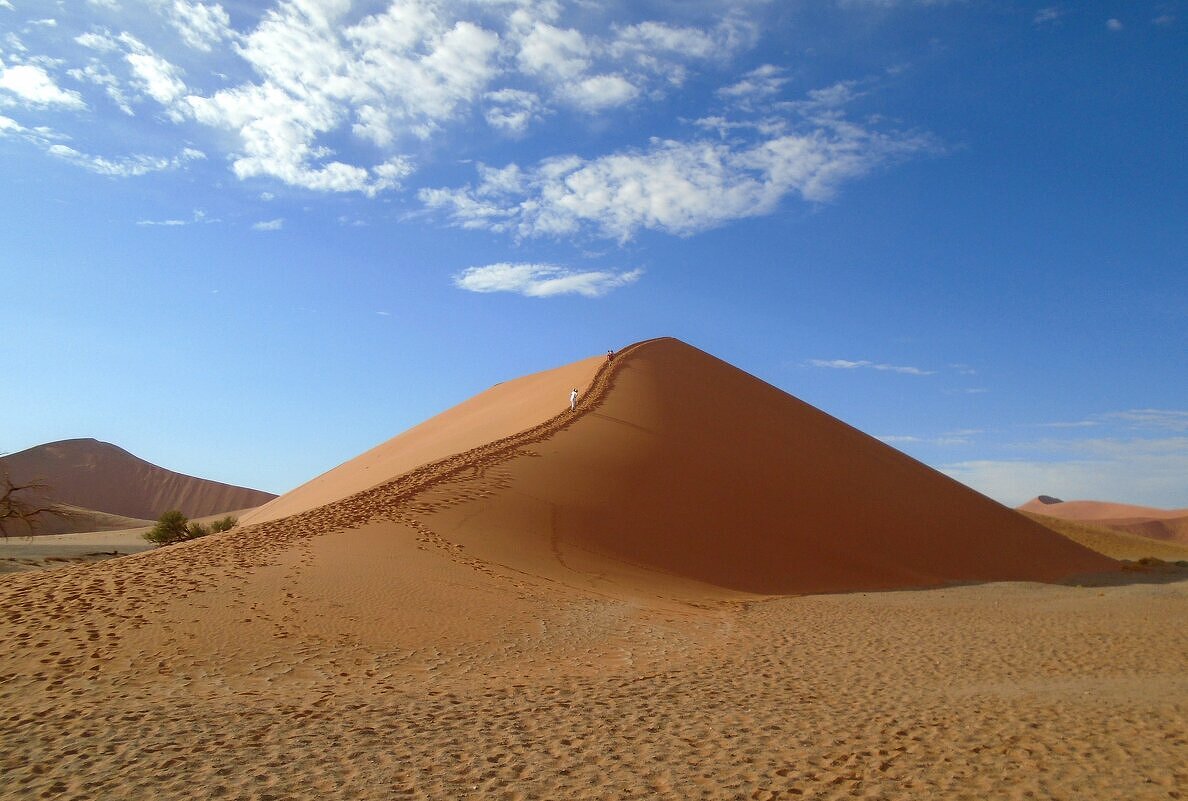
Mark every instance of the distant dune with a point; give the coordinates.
(103, 478)
(1112, 542)
(1169, 525)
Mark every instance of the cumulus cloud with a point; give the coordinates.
(601, 91)
(337, 96)
(152, 74)
(512, 110)
(200, 25)
(31, 85)
(678, 187)
(542, 280)
(846, 364)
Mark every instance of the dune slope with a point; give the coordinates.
(694, 469)
(104, 478)
(503, 410)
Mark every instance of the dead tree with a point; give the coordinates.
(24, 506)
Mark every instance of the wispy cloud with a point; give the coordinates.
(1157, 419)
(126, 166)
(269, 225)
(1047, 15)
(1114, 24)
(846, 364)
(675, 186)
(1141, 471)
(542, 280)
(199, 216)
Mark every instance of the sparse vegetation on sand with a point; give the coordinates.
(173, 526)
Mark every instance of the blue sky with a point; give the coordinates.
(248, 241)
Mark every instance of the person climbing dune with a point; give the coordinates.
(573, 396)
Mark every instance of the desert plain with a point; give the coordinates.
(691, 586)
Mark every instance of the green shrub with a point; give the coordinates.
(173, 527)
(170, 528)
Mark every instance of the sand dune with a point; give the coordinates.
(101, 477)
(497, 622)
(1112, 542)
(1162, 524)
(501, 411)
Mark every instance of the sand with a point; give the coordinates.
(103, 478)
(1114, 543)
(375, 647)
(1168, 525)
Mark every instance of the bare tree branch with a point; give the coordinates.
(24, 506)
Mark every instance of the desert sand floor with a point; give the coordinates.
(55, 550)
(137, 678)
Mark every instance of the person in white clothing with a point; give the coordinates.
(573, 399)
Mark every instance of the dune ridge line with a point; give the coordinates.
(383, 499)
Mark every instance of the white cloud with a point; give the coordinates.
(164, 223)
(152, 74)
(679, 187)
(1165, 419)
(1159, 419)
(1047, 15)
(33, 86)
(96, 40)
(127, 166)
(944, 441)
(6, 4)
(542, 280)
(759, 83)
(112, 5)
(600, 92)
(199, 216)
(44, 23)
(269, 225)
(199, 24)
(554, 52)
(512, 110)
(650, 38)
(1114, 24)
(845, 364)
(97, 74)
(1144, 472)
(400, 73)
